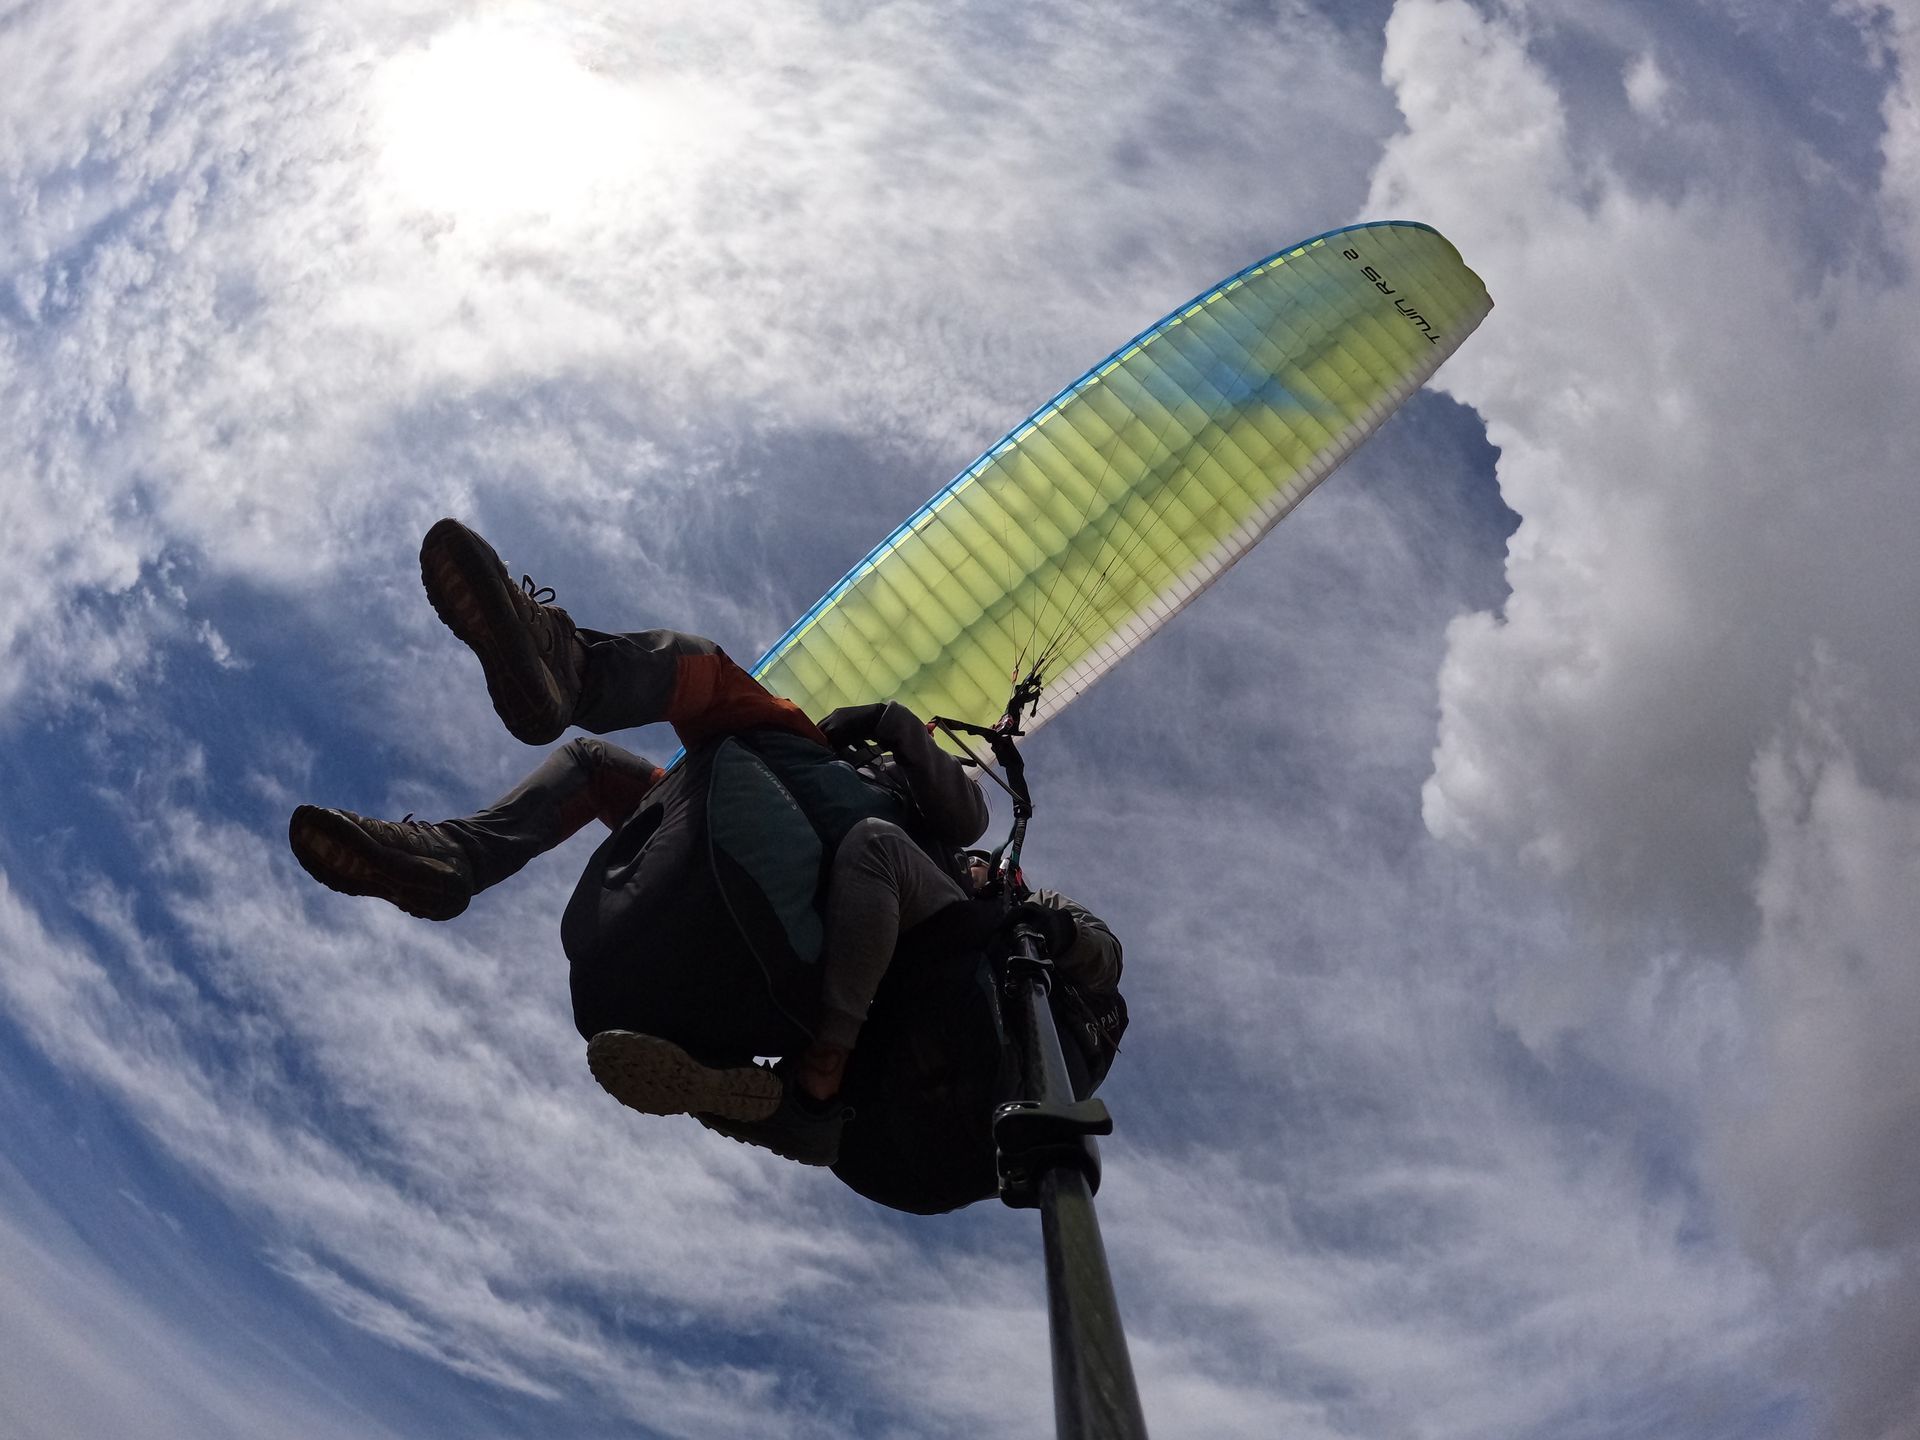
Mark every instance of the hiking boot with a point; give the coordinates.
(657, 1077)
(749, 1103)
(408, 863)
(526, 646)
(801, 1129)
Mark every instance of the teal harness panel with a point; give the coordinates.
(831, 793)
(778, 807)
(763, 839)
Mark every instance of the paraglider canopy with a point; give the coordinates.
(1112, 506)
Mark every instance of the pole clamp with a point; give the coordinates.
(1031, 1137)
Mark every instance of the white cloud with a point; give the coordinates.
(1817, 1155)
(1711, 456)
(1900, 182)
(279, 297)
(1706, 458)
(442, 1128)
(83, 1354)
(1647, 86)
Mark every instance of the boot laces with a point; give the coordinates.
(551, 626)
(406, 829)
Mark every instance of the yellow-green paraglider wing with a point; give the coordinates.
(1126, 495)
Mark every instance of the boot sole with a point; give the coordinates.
(345, 859)
(468, 587)
(657, 1077)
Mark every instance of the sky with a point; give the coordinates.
(1516, 854)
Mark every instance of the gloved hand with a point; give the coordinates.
(1056, 927)
(851, 724)
(891, 726)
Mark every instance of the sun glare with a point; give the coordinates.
(498, 121)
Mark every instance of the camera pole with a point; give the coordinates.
(1046, 1153)
(1048, 1160)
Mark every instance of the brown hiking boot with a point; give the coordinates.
(408, 863)
(751, 1104)
(526, 647)
(748, 1103)
(657, 1077)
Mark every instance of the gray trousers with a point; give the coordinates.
(584, 780)
(881, 883)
